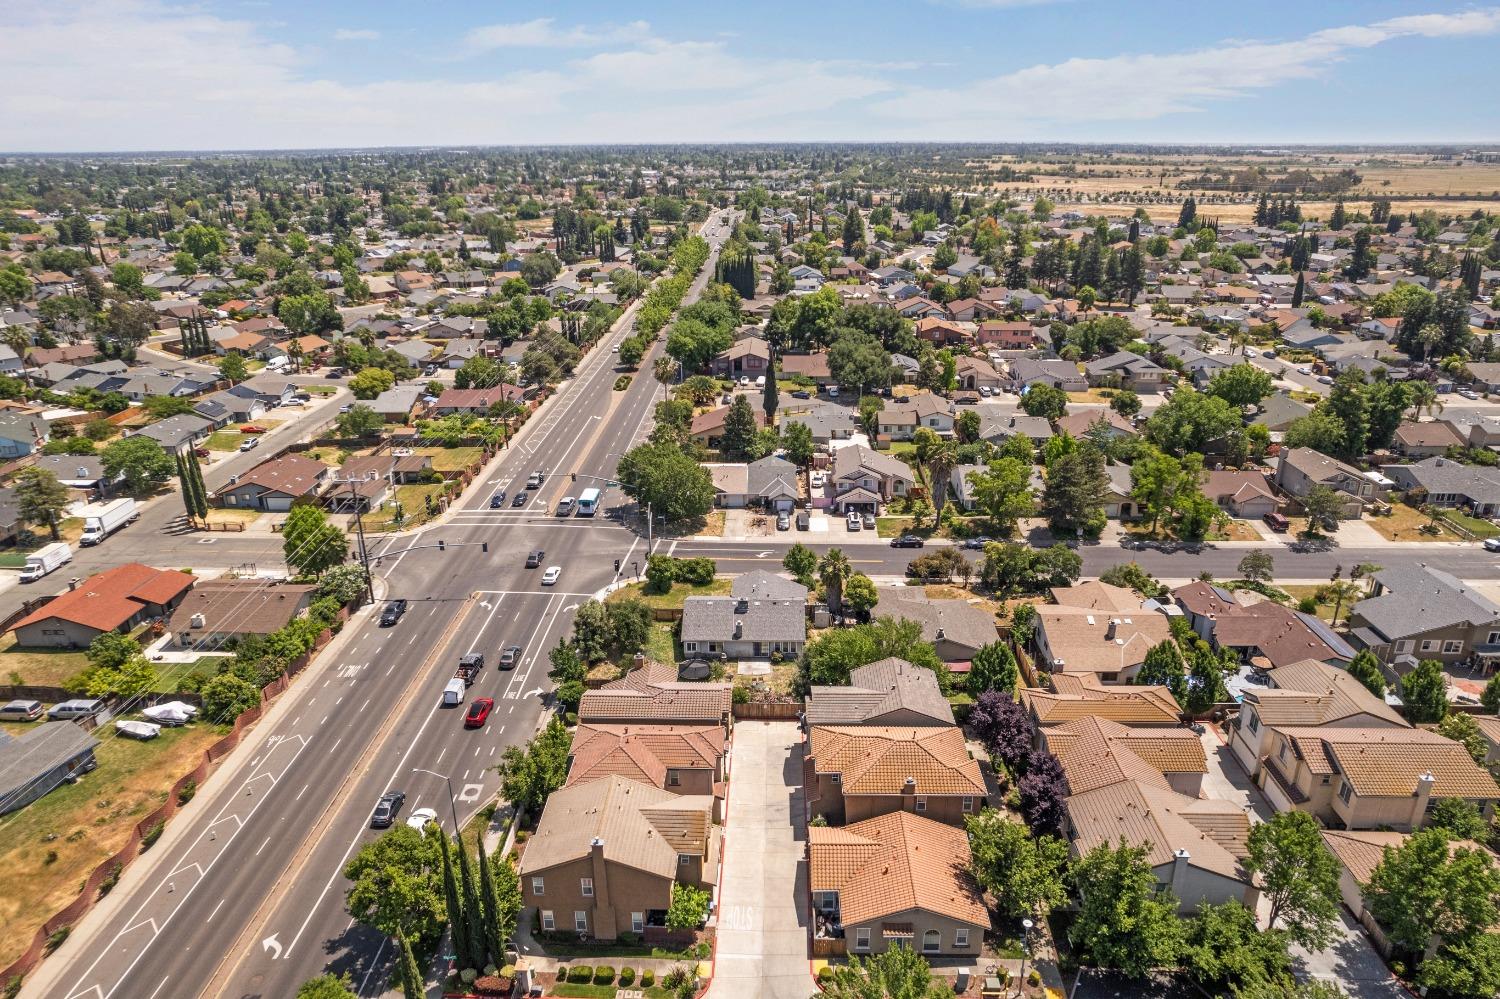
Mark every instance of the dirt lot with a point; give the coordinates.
(49, 847)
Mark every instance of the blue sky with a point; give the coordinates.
(85, 75)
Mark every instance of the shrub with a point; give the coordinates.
(152, 835)
(110, 880)
(51, 857)
(697, 571)
(648, 978)
(468, 976)
(675, 978)
(186, 792)
(1308, 605)
(604, 975)
(622, 383)
(627, 977)
(580, 974)
(740, 695)
(57, 938)
(825, 975)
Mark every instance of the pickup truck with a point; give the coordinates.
(469, 666)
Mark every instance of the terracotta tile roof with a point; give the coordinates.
(1077, 637)
(878, 760)
(1361, 851)
(1213, 832)
(1314, 693)
(643, 752)
(109, 599)
(641, 826)
(1083, 696)
(1095, 752)
(893, 864)
(653, 693)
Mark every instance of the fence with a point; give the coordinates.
(108, 872)
(768, 711)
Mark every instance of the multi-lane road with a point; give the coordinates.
(246, 897)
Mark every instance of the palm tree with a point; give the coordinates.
(940, 461)
(296, 353)
(665, 370)
(18, 340)
(1343, 592)
(1424, 399)
(834, 571)
(365, 336)
(1365, 570)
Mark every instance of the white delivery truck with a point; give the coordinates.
(43, 561)
(109, 519)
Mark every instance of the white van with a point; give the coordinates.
(453, 694)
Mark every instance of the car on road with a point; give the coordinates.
(534, 481)
(565, 506)
(907, 541)
(519, 499)
(1271, 354)
(535, 558)
(479, 712)
(854, 521)
(418, 820)
(392, 613)
(1492, 544)
(497, 500)
(1328, 380)
(346, 407)
(801, 394)
(1304, 370)
(386, 808)
(249, 443)
(975, 544)
(550, 576)
(469, 665)
(334, 373)
(510, 656)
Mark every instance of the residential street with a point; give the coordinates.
(763, 932)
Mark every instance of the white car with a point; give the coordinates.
(818, 479)
(418, 820)
(1468, 393)
(744, 381)
(249, 443)
(1492, 544)
(1325, 380)
(1304, 370)
(550, 576)
(854, 521)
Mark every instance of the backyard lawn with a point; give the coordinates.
(674, 596)
(51, 845)
(38, 667)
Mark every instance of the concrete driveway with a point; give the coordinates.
(762, 934)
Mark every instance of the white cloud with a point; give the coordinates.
(543, 33)
(355, 35)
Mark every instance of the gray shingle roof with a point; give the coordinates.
(31, 756)
(721, 619)
(1421, 599)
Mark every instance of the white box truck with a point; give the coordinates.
(109, 519)
(43, 561)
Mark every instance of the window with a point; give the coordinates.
(538, 887)
(1346, 791)
(826, 901)
(586, 886)
(968, 803)
(862, 938)
(548, 923)
(1429, 644)
(674, 779)
(1254, 722)
(683, 859)
(1494, 638)
(1452, 647)
(1403, 646)
(690, 646)
(637, 922)
(834, 778)
(932, 942)
(581, 922)
(921, 804)
(961, 938)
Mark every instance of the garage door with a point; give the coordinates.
(277, 504)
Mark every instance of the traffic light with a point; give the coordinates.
(617, 565)
(442, 545)
(484, 546)
(573, 476)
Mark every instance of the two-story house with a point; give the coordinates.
(682, 759)
(898, 421)
(1420, 612)
(856, 772)
(1301, 468)
(864, 479)
(750, 357)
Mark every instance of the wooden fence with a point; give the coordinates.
(102, 880)
(768, 711)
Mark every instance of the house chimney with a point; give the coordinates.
(739, 629)
(1180, 860)
(601, 875)
(909, 787)
(1109, 634)
(640, 659)
(1420, 797)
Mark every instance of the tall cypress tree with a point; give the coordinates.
(200, 490)
(772, 395)
(412, 984)
(185, 482)
(458, 920)
(1298, 291)
(473, 923)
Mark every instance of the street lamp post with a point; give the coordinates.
(1026, 925)
(452, 806)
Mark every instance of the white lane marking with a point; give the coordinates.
(302, 792)
(211, 915)
(262, 846)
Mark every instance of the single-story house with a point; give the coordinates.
(40, 759)
(217, 611)
(275, 484)
(116, 599)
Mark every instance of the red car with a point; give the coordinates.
(479, 712)
(251, 428)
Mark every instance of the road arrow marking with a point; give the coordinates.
(762, 554)
(572, 607)
(537, 691)
(485, 604)
(271, 943)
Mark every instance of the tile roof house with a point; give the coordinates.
(606, 853)
(651, 694)
(1448, 483)
(1370, 778)
(856, 772)
(116, 599)
(957, 629)
(1301, 468)
(1304, 694)
(1096, 752)
(1083, 696)
(895, 880)
(40, 759)
(274, 485)
(1419, 612)
(888, 692)
(1104, 636)
(217, 611)
(682, 759)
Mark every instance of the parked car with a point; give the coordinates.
(386, 808)
(497, 500)
(1276, 521)
(249, 443)
(201, 452)
(21, 711)
(1464, 392)
(479, 712)
(817, 479)
(1328, 380)
(833, 391)
(854, 521)
(346, 407)
(251, 428)
(535, 558)
(510, 657)
(392, 613)
(1492, 544)
(869, 521)
(975, 544)
(1269, 353)
(744, 381)
(550, 576)
(907, 541)
(801, 394)
(783, 521)
(334, 373)
(804, 522)
(418, 820)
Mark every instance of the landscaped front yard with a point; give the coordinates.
(50, 846)
(1405, 524)
(412, 501)
(451, 459)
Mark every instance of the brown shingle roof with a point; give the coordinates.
(292, 474)
(653, 693)
(895, 863)
(240, 606)
(878, 760)
(107, 600)
(879, 689)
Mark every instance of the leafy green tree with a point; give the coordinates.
(1366, 669)
(669, 480)
(1426, 888)
(1489, 699)
(1299, 876)
(1258, 566)
(1045, 400)
(1191, 422)
(1163, 666)
(1241, 385)
(1348, 404)
(797, 440)
(993, 668)
(1462, 728)
(310, 544)
(226, 697)
(1425, 693)
(739, 429)
(41, 498)
(860, 594)
(897, 973)
(359, 421)
(829, 657)
(833, 572)
(1024, 873)
(1460, 819)
(327, 987)
(1322, 506)
(802, 563)
(232, 368)
(370, 382)
(1003, 492)
(396, 884)
(413, 985)
(142, 461)
(859, 362)
(1224, 950)
(1124, 921)
(528, 775)
(1125, 402)
(1073, 500)
(1319, 430)
(688, 908)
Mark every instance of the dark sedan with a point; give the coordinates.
(386, 808)
(392, 613)
(497, 500)
(907, 541)
(519, 499)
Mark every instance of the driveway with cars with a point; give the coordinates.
(762, 915)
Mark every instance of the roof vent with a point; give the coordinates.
(596, 841)
(911, 782)
(196, 621)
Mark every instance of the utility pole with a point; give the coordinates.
(457, 829)
(359, 532)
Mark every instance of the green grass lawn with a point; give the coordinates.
(170, 675)
(413, 501)
(39, 667)
(225, 440)
(450, 459)
(1481, 529)
(606, 991)
(675, 596)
